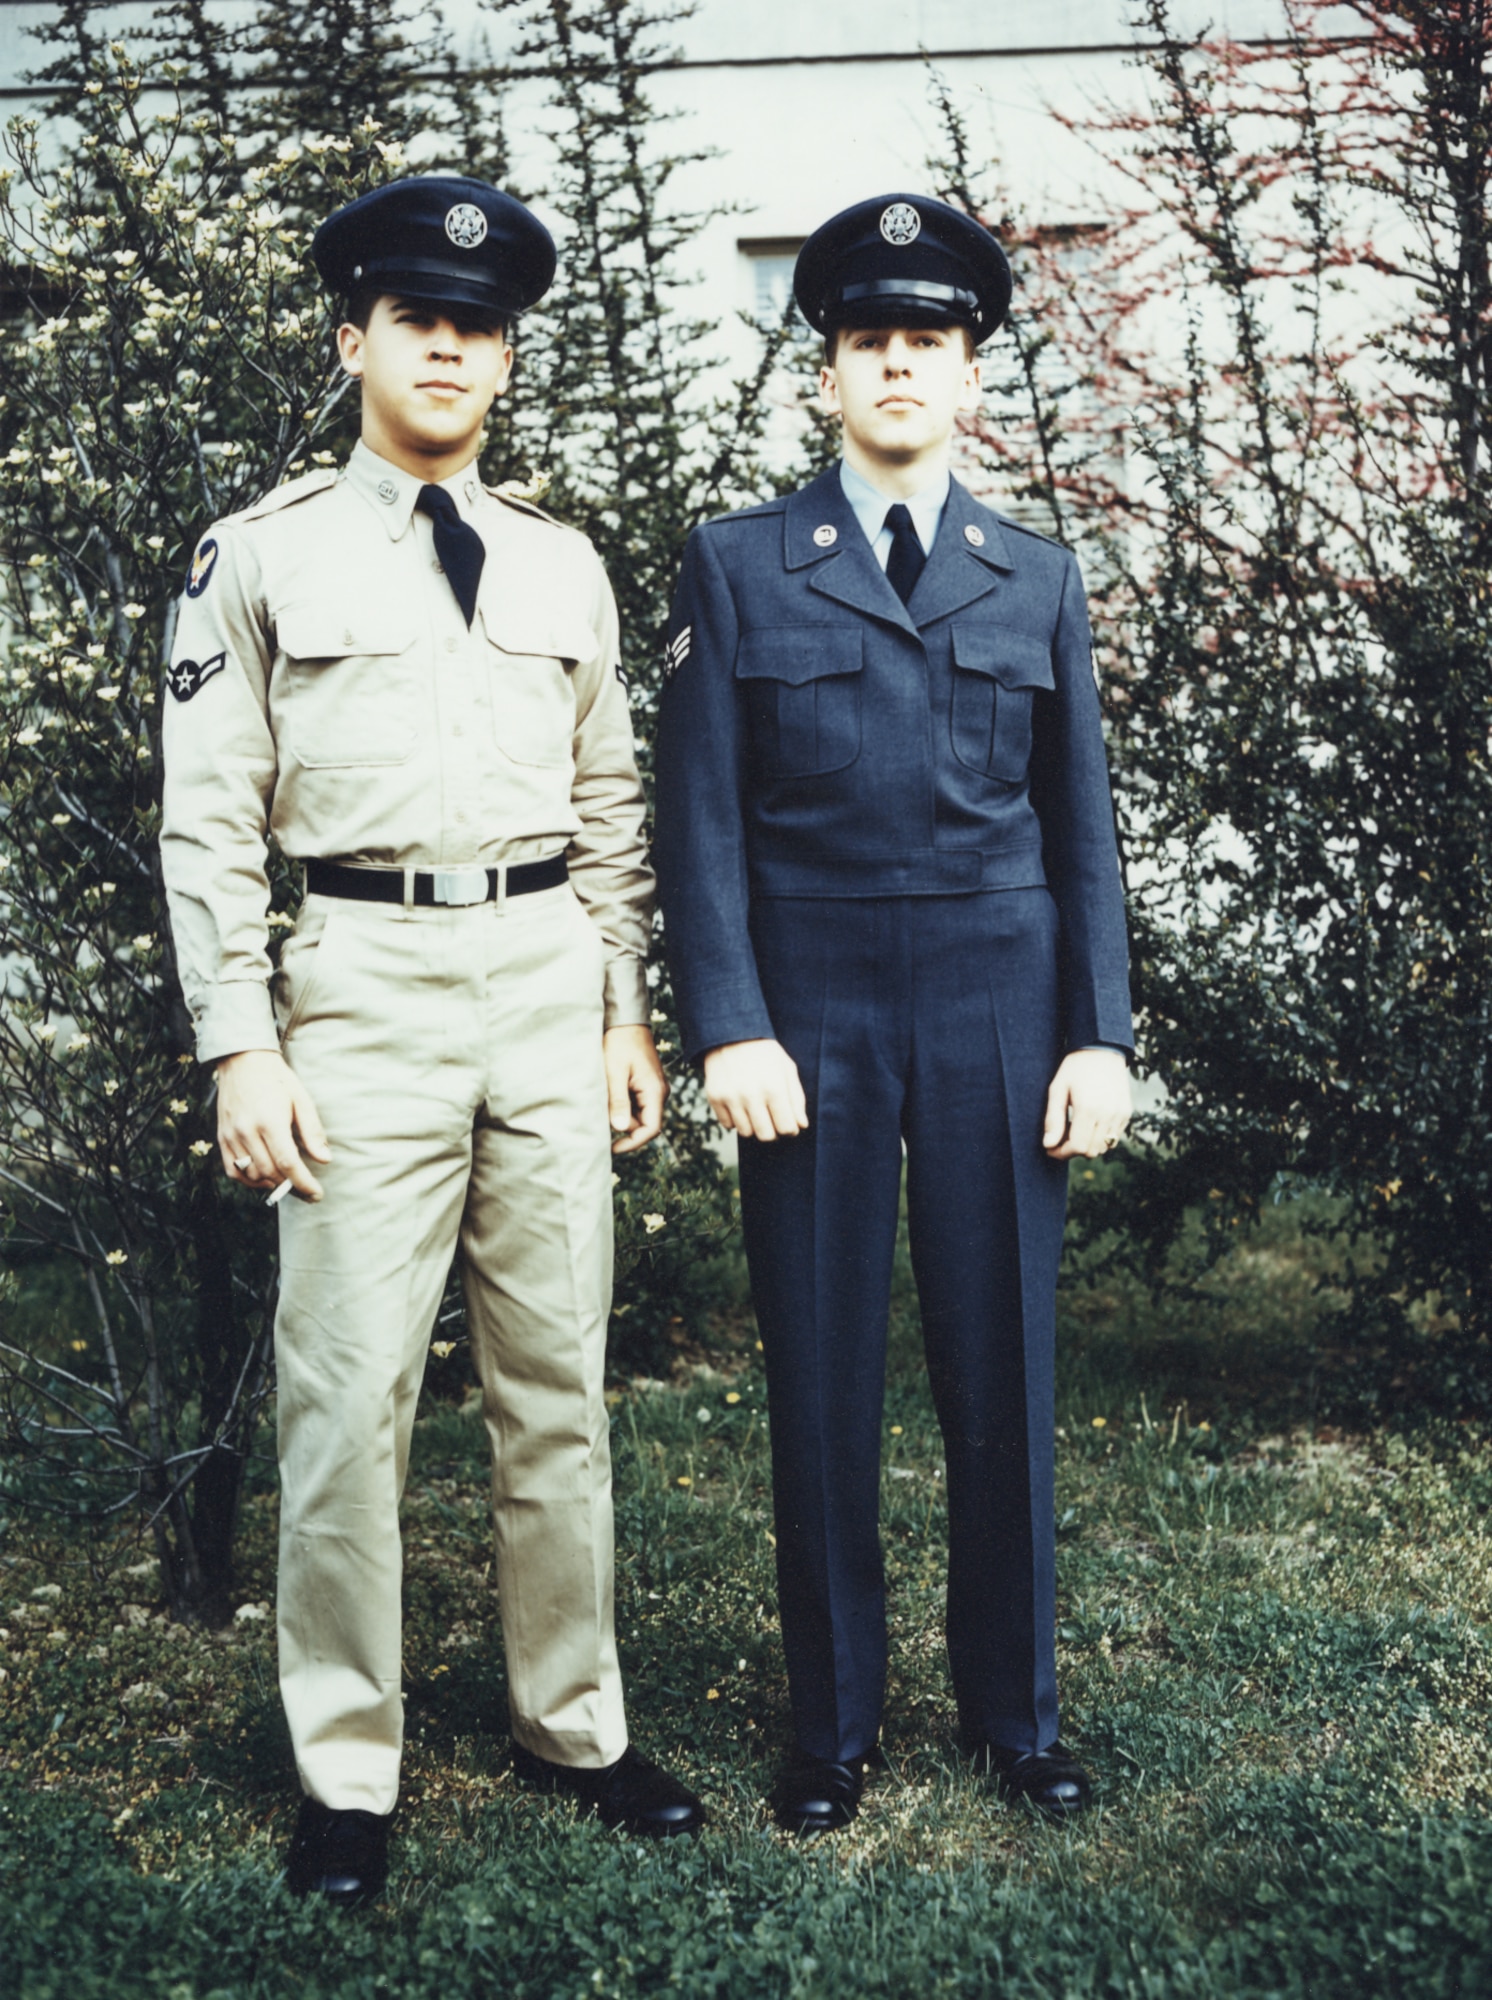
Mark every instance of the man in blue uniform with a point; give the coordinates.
(888, 869)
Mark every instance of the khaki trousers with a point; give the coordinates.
(455, 1058)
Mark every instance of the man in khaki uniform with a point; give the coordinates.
(411, 682)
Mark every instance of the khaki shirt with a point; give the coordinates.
(324, 688)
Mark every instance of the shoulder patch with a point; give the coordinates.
(287, 495)
(204, 562)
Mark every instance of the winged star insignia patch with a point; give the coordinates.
(204, 562)
(677, 651)
(186, 677)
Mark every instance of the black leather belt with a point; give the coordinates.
(454, 886)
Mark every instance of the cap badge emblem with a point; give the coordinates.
(974, 536)
(827, 535)
(901, 224)
(466, 225)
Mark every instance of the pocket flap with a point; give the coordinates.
(1014, 659)
(324, 632)
(535, 634)
(799, 653)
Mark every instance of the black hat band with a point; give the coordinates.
(430, 267)
(910, 288)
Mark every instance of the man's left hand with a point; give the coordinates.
(636, 1088)
(1088, 1105)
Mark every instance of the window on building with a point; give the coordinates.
(769, 265)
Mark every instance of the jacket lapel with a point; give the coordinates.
(844, 568)
(960, 570)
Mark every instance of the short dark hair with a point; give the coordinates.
(465, 318)
(831, 342)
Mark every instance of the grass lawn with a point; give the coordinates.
(1275, 1653)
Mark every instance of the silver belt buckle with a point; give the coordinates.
(459, 885)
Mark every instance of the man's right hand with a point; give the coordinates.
(263, 1110)
(754, 1089)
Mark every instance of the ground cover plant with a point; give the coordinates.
(1276, 1652)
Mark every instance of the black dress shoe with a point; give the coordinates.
(1052, 1780)
(633, 1793)
(814, 1795)
(343, 1856)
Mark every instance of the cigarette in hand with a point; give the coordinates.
(279, 1194)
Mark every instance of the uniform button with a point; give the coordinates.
(439, 567)
(348, 639)
(452, 645)
(388, 492)
(458, 730)
(461, 819)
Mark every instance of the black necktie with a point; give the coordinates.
(460, 548)
(908, 558)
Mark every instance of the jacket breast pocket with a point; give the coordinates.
(351, 694)
(997, 673)
(802, 690)
(529, 683)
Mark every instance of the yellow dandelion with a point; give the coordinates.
(684, 1479)
(712, 1694)
(1100, 1423)
(732, 1395)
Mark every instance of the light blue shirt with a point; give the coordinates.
(870, 504)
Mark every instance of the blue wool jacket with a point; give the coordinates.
(818, 738)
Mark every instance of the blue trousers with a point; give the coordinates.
(932, 1022)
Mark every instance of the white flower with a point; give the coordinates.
(62, 819)
(653, 1223)
(81, 1041)
(108, 694)
(144, 941)
(134, 610)
(200, 1147)
(180, 1106)
(117, 1257)
(110, 1086)
(44, 1032)
(28, 736)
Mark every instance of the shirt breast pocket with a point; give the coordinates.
(351, 694)
(530, 685)
(997, 673)
(802, 690)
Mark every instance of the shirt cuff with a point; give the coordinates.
(234, 1016)
(628, 1004)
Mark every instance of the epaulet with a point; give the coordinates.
(762, 507)
(522, 494)
(1021, 528)
(287, 495)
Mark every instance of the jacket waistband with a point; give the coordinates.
(926, 871)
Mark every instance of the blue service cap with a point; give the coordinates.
(441, 237)
(903, 260)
